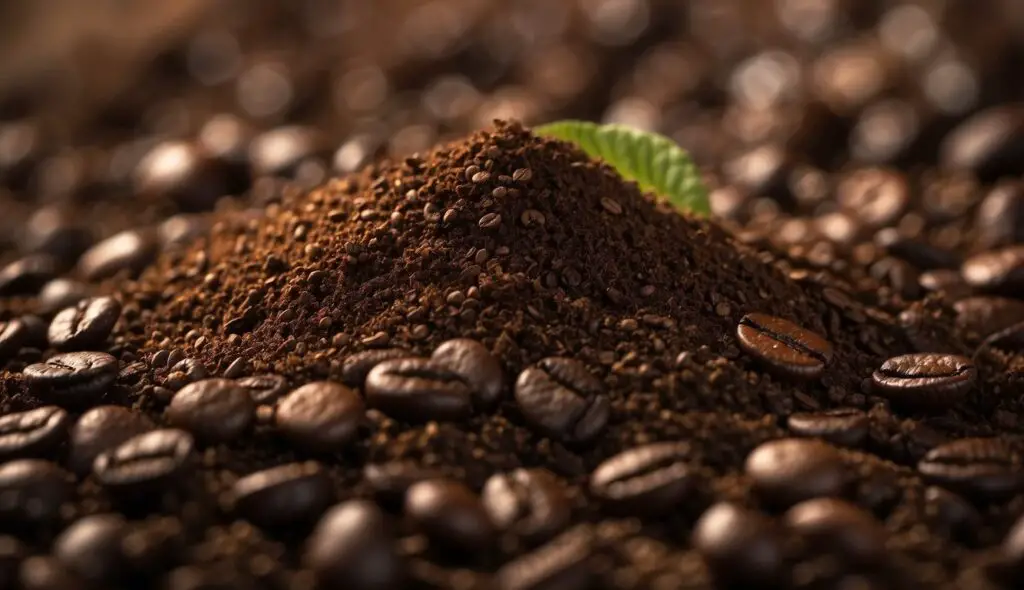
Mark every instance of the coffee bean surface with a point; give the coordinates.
(784, 347)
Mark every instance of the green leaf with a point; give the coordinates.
(654, 161)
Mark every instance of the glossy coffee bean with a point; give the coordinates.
(471, 361)
(560, 398)
(87, 324)
(280, 151)
(285, 495)
(980, 317)
(26, 276)
(925, 380)
(101, 429)
(563, 563)
(877, 195)
(213, 410)
(1012, 553)
(996, 271)
(390, 481)
(181, 173)
(32, 492)
(530, 503)
(32, 433)
(13, 335)
(790, 470)
(985, 468)
(129, 251)
(12, 553)
(145, 463)
(954, 516)
(784, 347)
(451, 515)
(356, 367)
(990, 143)
(91, 548)
(416, 390)
(645, 481)
(846, 427)
(72, 379)
(353, 547)
(739, 546)
(61, 293)
(840, 527)
(322, 416)
(264, 389)
(1000, 217)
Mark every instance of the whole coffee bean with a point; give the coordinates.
(322, 416)
(91, 548)
(784, 347)
(416, 390)
(390, 481)
(352, 547)
(47, 573)
(739, 546)
(790, 470)
(877, 195)
(145, 463)
(562, 563)
(985, 468)
(129, 251)
(101, 429)
(264, 389)
(13, 335)
(283, 496)
(180, 172)
(357, 366)
(952, 514)
(846, 427)
(996, 271)
(979, 317)
(842, 528)
(59, 294)
(213, 410)
(27, 275)
(560, 398)
(530, 503)
(471, 361)
(990, 143)
(921, 255)
(925, 380)
(32, 433)
(1000, 217)
(280, 151)
(32, 492)
(645, 481)
(72, 379)
(451, 515)
(12, 553)
(85, 325)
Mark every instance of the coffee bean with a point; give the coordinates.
(530, 503)
(952, 514)
(563, 563)
(986, 468)
(285, 495)
(263, 389)
(840, 527)
(72, 379)
(784, 347)
(47, 573)
(471, 361)
(32, 492)
(996, 271)
(129, 251)
(925, 380)
(390, 481)
(85, 325)
(280, 151)
(921, 255)
(1000, 217)
(179, 172)
(27, 275)
(739, 546)
(13, 335)
(12, 553)
(791, 470)
(1012, 553)
(32, 433)
(450, 514)
(989, 143)
(847, 427)
(646, 481)
(213, 410)
(145, 463)
(877, 195)
(561, 399)
(352, 547)
(91, 548)
(357, 366)
(416, 390)
(979, 317)
(60, 293)
(101, 429)
(321, 417)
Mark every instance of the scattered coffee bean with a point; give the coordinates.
(321, 417)
(842, 528)
(356, 367)
(283, 495)
(213, 410)
(739, 546)
(12, 553)
(951, 514)
(180, 172)
(450, 514)
(32, 492)
(129, 251)
(101, 429)
(925, 380)
(986, 468)
(784, 347)
(264, 389)
(416, 390)
(13, 335)
(32, 433)
(561, 398)
(471, 361)
(91, 548)
(85, 325)
(1012, 552)
(352, 547)
(791, 470)
(846, 427)
(562, 563)
(979, 317)
(988, 143)
(27, 275)
(72, 379)
(996, 271)
(145, 463)
(47, 573)
(390, 481)
(646, 481)
(59, 294)
(530, 503)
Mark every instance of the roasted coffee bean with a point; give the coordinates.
(180, 172)
(390, 481)
(1010, 339)
(739, 546)
(12, 553)
(85, 325)
(646, 481)
(877, 195)
(101, 429)
(451, 515)
(145, 463)
(562, 563)
(32, 492)
(846, 427)
(530, 503)
(129, 251)
(188, 370)
(280, 151)
(47, 573)
(986, 468)
(416, 390)
(27, 275)
(921, 255)
(91, 548)
(784, 347)
(996, 271)
(979, 317)
(842, 528)
(791, 470)
(952, 514)
(471, 361)
(59, 294)
(72, 379)
(1000, 218)
(285, 495)
(213, 410)
(352, 547)
(264, 389)
(1012, 553)
(322, 416)
(32, 433)
(13, 335)
(925, 380)
(561, 399)
(357, 366)
(990, 143)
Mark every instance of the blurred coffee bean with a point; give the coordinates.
(842, 528)
(354, 153)
(87, 324)
(182, 230)
(848, 77)
(181, 173)
(32, 492)
(322, 416)
(877, 195)
(353, 547)
(21, 146)
(213, 410)
(990, 143)
(33, 432)
(1000, 218)
(12, 553)
(13, 335)
(562, 563)
(739, 546)
(280, 151)
(476, 365)
(530, 503)
(72, 379)
(147, 463)
(285, 495)
(954, 516)
(61, 293)
(27, 275)
(562, 399)
(996, 271)
(91, 548)
(920, 254)
(264, 389)
(787, 471)
(56, 231)
(451, 515)
(946, 282)
(47, 573)
(979, 317)
(131, 251)
(900, 275)
(846, 427)
(390, 481)
(102, 429)
(356, 367)
(762, 172)
(416, 390)
(985, 468)
(885, 130)
(647, 480)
